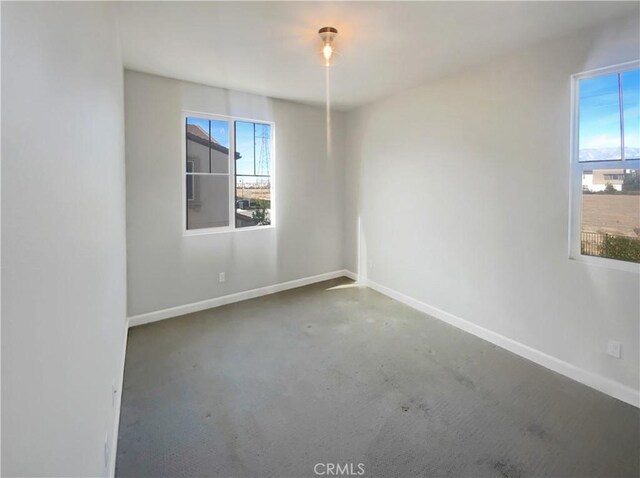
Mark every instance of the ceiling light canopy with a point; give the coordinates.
(327, 34)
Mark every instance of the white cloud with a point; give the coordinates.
(602, 141)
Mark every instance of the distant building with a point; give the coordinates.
(598, 179)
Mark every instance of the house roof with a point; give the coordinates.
(197, 134)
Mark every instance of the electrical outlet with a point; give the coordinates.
(221, 277)
(614, 348)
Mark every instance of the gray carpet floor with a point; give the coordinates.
(333, 373)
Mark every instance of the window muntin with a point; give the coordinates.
(631, 96)
(606, 198)
(190, 183)
(216, 188)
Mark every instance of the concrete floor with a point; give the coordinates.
(332, 373)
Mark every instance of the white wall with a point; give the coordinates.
(167, 269)
(63, 236)
(461, 191)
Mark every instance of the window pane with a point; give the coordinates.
(210, 204)
(631, 100)
(197, 145)
(253, 174)
(245, 147)
(599, 122)
(253, 148)
(219, 147)
(253, 201)
(611, 214)
(208, 145)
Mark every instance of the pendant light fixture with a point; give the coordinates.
(327, 34)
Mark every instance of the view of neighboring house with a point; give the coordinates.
(597, 180)
(206, 193)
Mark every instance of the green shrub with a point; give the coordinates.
(631, 181)
(259, 216)
(621, 248)
(263, 203)
(609, 189)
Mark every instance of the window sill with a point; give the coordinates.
(607, 263)
(225, 230)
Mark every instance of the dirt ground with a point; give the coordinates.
(255, 193)
(617, 214)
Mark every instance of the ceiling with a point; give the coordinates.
(273, 49)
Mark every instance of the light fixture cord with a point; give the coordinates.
(328, 98)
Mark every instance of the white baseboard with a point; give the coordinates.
(231, 298)
(116, 426)
(598, 382)
(351, 275)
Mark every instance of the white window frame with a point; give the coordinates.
(230, 120)
(578, 167)
(193, 183)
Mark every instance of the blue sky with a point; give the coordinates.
(219, 129)
(600, 111)
(244, 142)
(245, 146)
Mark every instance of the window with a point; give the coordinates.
(222, 194)
(605, 206)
